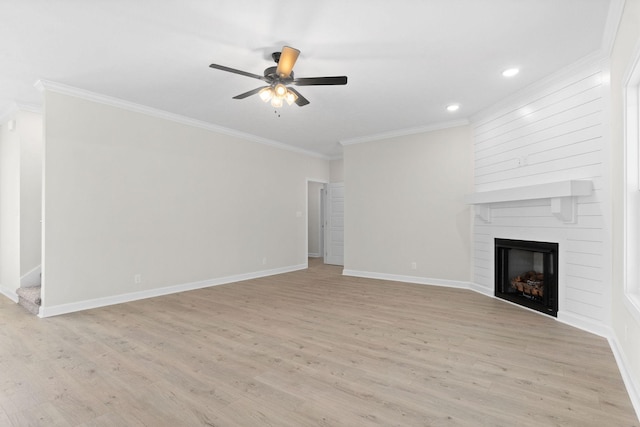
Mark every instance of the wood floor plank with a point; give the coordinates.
(308, 348)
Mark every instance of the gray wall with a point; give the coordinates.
(131, 196)
(404, 204)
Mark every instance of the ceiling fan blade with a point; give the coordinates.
(233, 70)
(301, 101)
(251, 92)
(320, 81)
(288, 58)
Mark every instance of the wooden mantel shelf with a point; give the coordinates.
(562, 194)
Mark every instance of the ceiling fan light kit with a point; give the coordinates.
(290, 97)
(266, 93)
(279, 77)
(280, 90)
(277, 94)
(276, 102)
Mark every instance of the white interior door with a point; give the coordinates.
(334, 224)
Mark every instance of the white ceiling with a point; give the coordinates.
(406, 60)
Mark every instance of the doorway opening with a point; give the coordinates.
(325, 221)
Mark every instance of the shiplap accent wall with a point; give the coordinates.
(556, 132)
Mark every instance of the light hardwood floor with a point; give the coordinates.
(310, 348)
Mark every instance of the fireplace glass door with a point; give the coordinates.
(526, 274)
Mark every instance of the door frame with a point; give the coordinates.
(324, 183)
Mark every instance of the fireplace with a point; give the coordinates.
(526, 273)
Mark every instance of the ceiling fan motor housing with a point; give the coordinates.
(271, 74)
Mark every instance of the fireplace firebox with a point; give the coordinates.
(526, 273)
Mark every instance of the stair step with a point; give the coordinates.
(29, 298)
(31, 307)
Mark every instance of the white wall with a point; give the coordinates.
(337, 170)
(314, 226)
(20, 199)
(29, 126)
(131, 194)
(9, 209)
(555, 132)
(404, 204)
(625, 324)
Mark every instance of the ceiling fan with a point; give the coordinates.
(279, 77)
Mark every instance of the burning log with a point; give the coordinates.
(529, 283)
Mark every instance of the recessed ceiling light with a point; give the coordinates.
(453, 107)
(510, 72)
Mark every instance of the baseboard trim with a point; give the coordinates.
(32, 278)
(314, 255)
(9, 294)
(60, 309)
(489, 292)
(584, 324)
(633, 388)
(408, 279)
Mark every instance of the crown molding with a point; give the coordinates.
(595, 62)
(404, 132)
(614, 16)
(45, 85)
(30, 108)
(19, 106)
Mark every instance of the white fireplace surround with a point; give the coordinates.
(562, 194)
(541, 174)
(548, 212)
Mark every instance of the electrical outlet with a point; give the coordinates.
(414, 265)
(264, 261)
(137, 279)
